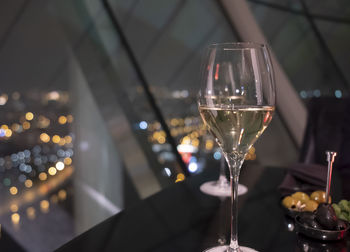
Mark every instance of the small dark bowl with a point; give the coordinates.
(320, 234)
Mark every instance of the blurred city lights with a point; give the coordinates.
(29, 116)
(217, 155)
(52, 171)
(192, 167)
(56, 139)
(62, 194)
(28, 183)
(67, 161)
(15, 218)
(54, 95)
(14, 208)
(26, 125)
(44, 137)
(42, 176)
(60, 166)
(70, 118)
(30, 213)
(143, 125)
(338, 93)
(13, 190)
(3, 99)
(62, 120)
(44, 206)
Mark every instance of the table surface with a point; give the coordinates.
(181, 218)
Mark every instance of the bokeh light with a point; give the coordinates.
(42, 176)
(29, 116)
(13, 190)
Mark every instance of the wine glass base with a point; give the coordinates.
(224, 249)
(213, 189)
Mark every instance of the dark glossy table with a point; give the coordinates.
(181, 218)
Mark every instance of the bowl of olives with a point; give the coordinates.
(322, 224)
(302, 202)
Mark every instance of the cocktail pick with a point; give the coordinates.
(330, 159)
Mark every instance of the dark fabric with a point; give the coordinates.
(305, 178)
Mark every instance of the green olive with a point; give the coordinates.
(303, 197)
(289, 202)
(320, 197)
(310, 206)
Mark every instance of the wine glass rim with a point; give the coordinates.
(238, 45)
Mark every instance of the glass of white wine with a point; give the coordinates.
(236, 102)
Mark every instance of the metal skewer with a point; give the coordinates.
(330, 159)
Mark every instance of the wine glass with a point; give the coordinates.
(236, 102)
(221, 188)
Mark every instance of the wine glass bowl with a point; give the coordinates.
(236, 102)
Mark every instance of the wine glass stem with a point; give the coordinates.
(235, 162)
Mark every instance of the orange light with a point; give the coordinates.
(68, 139)
(70, 118)
(67, 161)
(52, 171)
(62, 120)
(44, 137)
(28, 183)
(31, 213)
(15, 218)
(26, 125)
(29, 116)
(14, 208)
(62, 194)
(8, 133)
(180, 177)
(44, 206)
(13, 190)
(56, 139)
(42, 176)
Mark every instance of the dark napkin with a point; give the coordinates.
(305, 178)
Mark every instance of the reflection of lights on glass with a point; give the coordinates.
(217, 155)
(68, 139)
(31, 213)
(29, 116)
(3, 99)
(62, 120)
(44, 137)
(14, 208)
(26, 125)
(60, 166)
(42, 176)
(62, 194)
(52, 171)
(4, 127)
(143, 125)
(44, 206)
(167, 171)
(179, 177)
(67, 161)
(70, 118)
(13, 190)
(15, 218)
(56, 139)
(28, 183)
(54, 199)
(192, 167)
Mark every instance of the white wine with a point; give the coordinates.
(236, 129)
